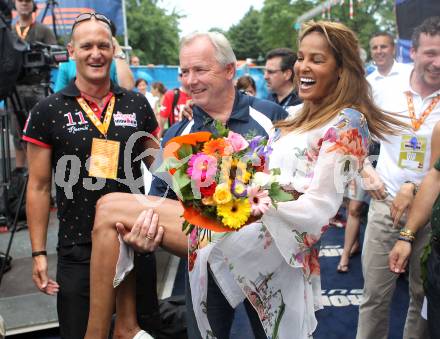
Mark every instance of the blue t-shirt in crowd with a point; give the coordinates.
(67, 72)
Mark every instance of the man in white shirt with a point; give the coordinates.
(389, 73)
(403, 161)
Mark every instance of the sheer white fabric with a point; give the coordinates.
(274, 263)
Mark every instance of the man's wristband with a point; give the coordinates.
(408, 240)
(37, 253)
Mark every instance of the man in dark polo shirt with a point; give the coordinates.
(208, 67)
(83, 134)
(216, 99)
(278, 73)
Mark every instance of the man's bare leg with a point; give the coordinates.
(124, 208)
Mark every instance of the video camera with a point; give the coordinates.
(42, 56)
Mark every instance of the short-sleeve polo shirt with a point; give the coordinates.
(58, 122)
(250, 116)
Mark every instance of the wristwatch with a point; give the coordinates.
(121, 55)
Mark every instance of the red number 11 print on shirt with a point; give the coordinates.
(82, 121)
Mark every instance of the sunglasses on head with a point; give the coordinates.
(88, 16)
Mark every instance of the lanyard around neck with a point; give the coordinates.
(417, 123)
(101, 126)
(22, 34)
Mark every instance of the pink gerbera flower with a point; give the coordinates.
(259, 200)
(202, 167)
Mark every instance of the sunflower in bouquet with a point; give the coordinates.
(222, 179)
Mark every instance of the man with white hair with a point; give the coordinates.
(208, 67)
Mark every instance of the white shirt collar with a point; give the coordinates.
(395, 69)
(409, 88)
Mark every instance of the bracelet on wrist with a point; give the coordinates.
(409, 240)
(407, 235)
(406, 232)
(38, 253)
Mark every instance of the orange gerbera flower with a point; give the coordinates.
(192, 138)
(194, 217)
(173, 145)
(218, 147)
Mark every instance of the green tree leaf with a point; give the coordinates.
(153, 34)
(245, 37)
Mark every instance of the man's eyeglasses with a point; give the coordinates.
(272, 71)
(88, 16)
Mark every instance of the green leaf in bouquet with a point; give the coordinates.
(278, 195)
(186, 193)
(168, 164)
(185, 151)
(251, 134)
(180, 180)
(221, 129)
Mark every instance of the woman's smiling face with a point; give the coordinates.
(316, 69)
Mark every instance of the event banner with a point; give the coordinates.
(65, 12)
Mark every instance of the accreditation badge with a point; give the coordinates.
(104, 158)
(412, 152)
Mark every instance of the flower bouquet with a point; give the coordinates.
(222, 179)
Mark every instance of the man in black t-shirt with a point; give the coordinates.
(85, 134)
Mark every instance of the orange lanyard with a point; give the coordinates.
(416, 123)
(25, 32)
(102, 127)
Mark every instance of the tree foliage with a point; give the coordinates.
(272, 27)
(245, 37)
(369, 16)
(277, 19)
(153, 34)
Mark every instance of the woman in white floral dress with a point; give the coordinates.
(274, 262)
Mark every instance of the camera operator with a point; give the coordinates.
(30, 88)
